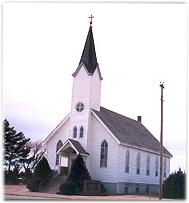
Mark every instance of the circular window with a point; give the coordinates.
(80, 107)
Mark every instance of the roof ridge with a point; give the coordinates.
(120, 114)
(78, 146)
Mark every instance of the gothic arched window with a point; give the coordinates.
(58, 146)
(138, 164)
(148, 165)
(104, 154)
(127, 162)
(75, 132)
(81, 131)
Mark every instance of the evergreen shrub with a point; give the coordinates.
(79, 172)
(174, 186)
(33, 184)
(41, 176)
(11, 177)
(42, 169)
(69, 188)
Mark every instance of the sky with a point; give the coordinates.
(137, 46)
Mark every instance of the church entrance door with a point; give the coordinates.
(71, 157)
(63, 165)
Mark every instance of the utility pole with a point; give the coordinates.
(161, 145)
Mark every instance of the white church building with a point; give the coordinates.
(118, 151)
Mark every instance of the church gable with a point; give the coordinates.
(82, 75)
(58, 128)
(102, 163)
(75, 145)
(128, 131)
(82, 65)
(102, 124)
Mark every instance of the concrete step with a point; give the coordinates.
(53, 185)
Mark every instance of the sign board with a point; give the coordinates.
(92, 187)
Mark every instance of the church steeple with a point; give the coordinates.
(89, 54)
(88, 57)
(86, 90)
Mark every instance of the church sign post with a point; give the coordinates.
(161, 145)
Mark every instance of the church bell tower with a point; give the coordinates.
(86, 90)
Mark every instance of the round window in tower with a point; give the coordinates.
(80, 107)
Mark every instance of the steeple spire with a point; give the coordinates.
(88, 57)
(89, 54)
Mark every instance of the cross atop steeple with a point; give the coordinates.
(91, 17)
(88, 57)
(89, 54)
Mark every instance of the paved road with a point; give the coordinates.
(19, 197)
(80, 198)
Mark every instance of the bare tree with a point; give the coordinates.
(37, 150)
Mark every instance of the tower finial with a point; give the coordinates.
(162, 84)
(91, 17)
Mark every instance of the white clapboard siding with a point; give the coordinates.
(96, 135)
(142, 177)
(62, 134)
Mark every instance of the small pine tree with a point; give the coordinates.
(79, 172)
(174, 186)
(42, 170)
(42, 174)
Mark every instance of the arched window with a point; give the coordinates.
(81, 132)
(148, 165)
(127, 162)
(58, 146)
(75, 132)
(156, 166)
(103, 154)
(164, 167)
(138, 164)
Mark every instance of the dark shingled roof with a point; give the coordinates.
(89, 55)
(78, 147)
(129, 131)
